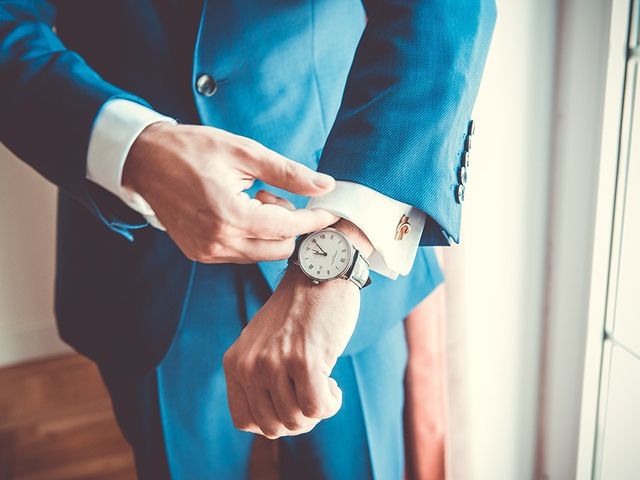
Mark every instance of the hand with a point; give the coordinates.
(277, 372)
(194, 178)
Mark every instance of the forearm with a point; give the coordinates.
(404, 116)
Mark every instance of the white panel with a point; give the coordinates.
(602, 241)
(621, 442)
(627, 318)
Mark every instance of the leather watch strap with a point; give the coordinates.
(359, 272)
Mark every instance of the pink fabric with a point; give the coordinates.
(425, 415)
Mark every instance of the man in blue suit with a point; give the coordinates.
(186, 138)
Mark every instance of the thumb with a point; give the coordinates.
(269, 198)
(336, 392)
(281, 172)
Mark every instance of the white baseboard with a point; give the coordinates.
(29, 343)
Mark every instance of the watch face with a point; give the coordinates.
(325, 255)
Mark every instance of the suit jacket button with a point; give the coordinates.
(206, 85)
(467, 143)
(460, 194)
(463, 175)
(471, 128)
(465, 160)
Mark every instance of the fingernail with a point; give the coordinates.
(323, 180)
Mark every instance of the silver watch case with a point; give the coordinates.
(357, 269)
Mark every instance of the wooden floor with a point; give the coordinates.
(56, 423)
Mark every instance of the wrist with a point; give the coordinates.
(357, 236)
(296, 277)
(301, 285)
(136, 165)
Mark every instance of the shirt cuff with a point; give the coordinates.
(378, 216)
(116, 127)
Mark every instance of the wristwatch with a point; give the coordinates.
(327, 255)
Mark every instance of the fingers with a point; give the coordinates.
(265, 250)
(268, 221)
(269, 217)
(264, 413)
(314, 394)
(267, 231)
(250, 250)
(239, 408)
(275, 410)
(281, 172)
(267, 197)
(286, 406)
(335, 391)
(272, 413)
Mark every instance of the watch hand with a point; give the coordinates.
(319, 253)
(318, 245)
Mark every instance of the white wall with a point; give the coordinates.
(504, 230)
(27, 249)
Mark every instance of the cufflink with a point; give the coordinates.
(403, 228)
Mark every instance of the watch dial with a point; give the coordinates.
(324, 255)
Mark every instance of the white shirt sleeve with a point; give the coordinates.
(378, 216)
(117, 125)
(121, 121)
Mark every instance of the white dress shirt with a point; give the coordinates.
(121, 121)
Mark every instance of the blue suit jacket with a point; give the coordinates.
(382, 99)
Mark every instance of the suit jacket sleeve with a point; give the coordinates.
(50, 98)
(402, 123)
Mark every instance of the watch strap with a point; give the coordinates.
(359, 271)
(294, 256)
